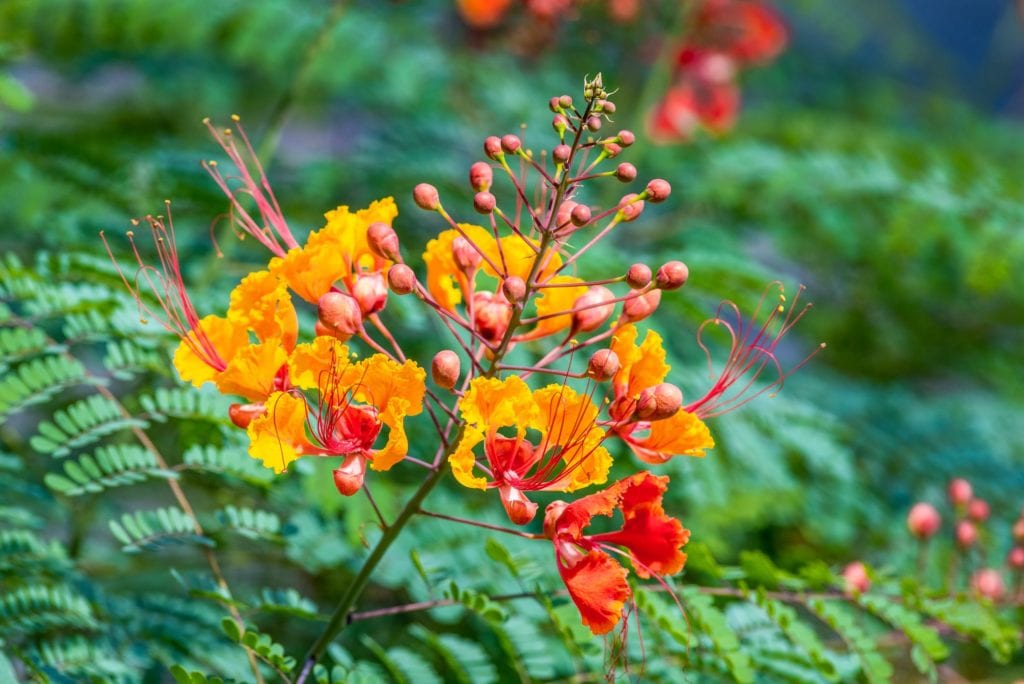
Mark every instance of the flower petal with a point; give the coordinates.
(226, 337)
(309, 363)
(567, 421)
(683, 434)
(598, 587)
(490, 403)
(555, 299)
(261, 303)
(641, 366)
(278, 437)
(445, 281)
(462, 459)
(252, 371)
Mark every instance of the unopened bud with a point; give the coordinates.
(446, 368)
(606, 106)
(988, 583)
(561, 153)
(580, 215)
(243, 414)
(672, 275)
(467, 257)
(923, 521)
(382, 240)
(484, 202)
(565, 101)
(514, 289)
(426, 197)
(593, 308)
(559, 123)
(1015, 559)
(659, 402)
(603, 365)
(593, 123)
(491, 315)
(510, 143)
(856, 577)
(638, 276)
(551, 515)
(350, 476)
(960, 492)
(520, 509)
(402, 279)
(371, 292)
(658, 190)
(641, 306)
(630, 207)
(626, 138)
(978, 510)
(612, 150)
(492, 147)
(966, 534)
(564, 215)
(481, 176)
(554, 105)
(625, 172)
(340, 314)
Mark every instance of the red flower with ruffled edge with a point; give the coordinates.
(651, 539)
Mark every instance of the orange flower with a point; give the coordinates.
(652, 542)
(569, 454)
(483, 14)
(354, 401)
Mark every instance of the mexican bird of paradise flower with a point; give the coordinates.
(567, 456)
(651, 541)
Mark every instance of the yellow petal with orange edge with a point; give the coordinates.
(641, 366)
(490, 403)
(555, 299)
(347, 231)
(397, 446)
(463, 460)
(683, 434)
(278, 437)
(382, 381)
(251, 372)
(310, 364)
(261, 303)
(226, 337)
(444, 279)
(310, 271)
(568, 422)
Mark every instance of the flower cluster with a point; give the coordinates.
(507, 284)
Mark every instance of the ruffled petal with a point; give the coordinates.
(490, 403)
(261, 303)
(462, 459)
(252, 371)
(397, 446)
(383, 383)
(310, 363)
(223, 335)
(552, 300)
(598, 587)
(278, 437)
(683, 434)
(567, 421)
(516, 254)
(445, 281)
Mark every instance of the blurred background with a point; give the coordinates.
(876, 159)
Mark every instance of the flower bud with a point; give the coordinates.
(554, 105)
(672, 275)
(243, 414)
(520, 509)
(551, 515)
(580, 215)
(626, 138)
(641, 306)
(484, 202)
(1015, 559)
(371, 292)
(638, 276)
(856, 578)
(630, 207)
(988, 583)
(492, 147)
(606, 106)
(966, 534)
(514, 289)
(565, 101)
(561, 153)
(446, 368)
(593, 123)
(603, 365)
(625, 172)
(978, 510)
(481, 176)
(960, 492)
(349, 477)
(1018, 531)
(382, 240)
(658, 190)
(340, 314)
(659, 402)
(402, 279)
(923, 521)
(466, 256)
(592, 308)
(559, 123)
(612, 150)
(510, 143)
(426, 197)
(491, 315)
(564, 216)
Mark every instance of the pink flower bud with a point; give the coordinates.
(484, 202)
(520, 509)
(402, 279)
(966, 534)
(426, 197)
(659, 402)
(978, 510)
(564, 215)
(603, 365)
(349, 477)
(960, 492)
(641, 306)
(561, 153)
(606, 106)
(593, 123)
(382, 240)
(491, 315)
(630, 207)
(565, 101)
(466, 256)
(481, 176)
(658, 190)
(580, 215)
(243, 414)
(559, 123)
(856, 577)
(592, 308)
(554, 105)
(340, 314)
(514, 289)
(672, 275)
(626, 138)
(988, 583)
(612, 150)
(625, 172)
(923, 521)
(638, 276)
(446, 368)
(1018, 531)
(1015, 559)
(510, 143)
(492, 147)
(371, 292)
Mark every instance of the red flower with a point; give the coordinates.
(748, 31)
(651, 539)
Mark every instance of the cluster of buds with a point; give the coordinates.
(509, 281)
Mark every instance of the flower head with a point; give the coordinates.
(651, 540)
